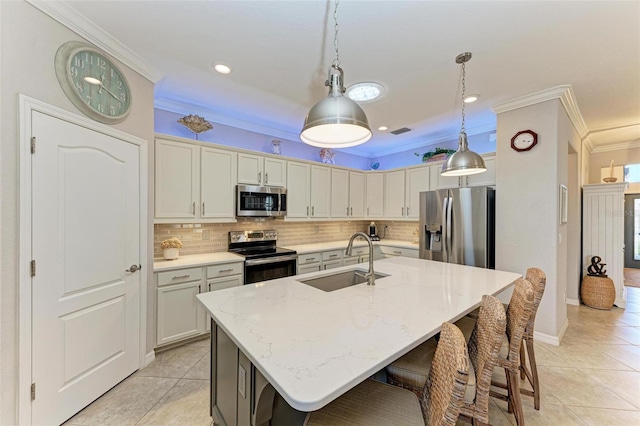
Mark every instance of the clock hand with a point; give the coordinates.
(96, 82)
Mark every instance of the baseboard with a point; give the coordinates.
(149, 358)
(574, 302)
(550, 339)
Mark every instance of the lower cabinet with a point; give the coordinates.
(388, 251)
(179, 315)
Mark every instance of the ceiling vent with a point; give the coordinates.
(401, 131)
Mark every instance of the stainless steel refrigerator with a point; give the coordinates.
(458, 226)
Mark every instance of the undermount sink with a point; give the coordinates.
(339, 280)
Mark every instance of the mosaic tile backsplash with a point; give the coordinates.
(212, 237)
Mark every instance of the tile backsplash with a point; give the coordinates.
(212, 237)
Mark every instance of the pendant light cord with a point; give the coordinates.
(463, 91)
(336, 60)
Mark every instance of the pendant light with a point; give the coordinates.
(336, 121)
(463, 161)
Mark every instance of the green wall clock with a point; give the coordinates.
(92, 82)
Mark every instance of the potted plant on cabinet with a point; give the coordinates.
(171, 248)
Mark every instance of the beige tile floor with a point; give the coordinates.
(592, 378)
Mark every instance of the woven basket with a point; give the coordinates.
(598, 292)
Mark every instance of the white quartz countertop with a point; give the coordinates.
(335, 245)
(314, 345)
(195, 260)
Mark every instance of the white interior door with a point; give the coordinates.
(86, 234)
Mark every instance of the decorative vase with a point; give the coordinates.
(275, 147)
(171, 253)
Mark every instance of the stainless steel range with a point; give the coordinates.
(262, 259)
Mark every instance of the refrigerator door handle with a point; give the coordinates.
(443, 237)
(449, 212)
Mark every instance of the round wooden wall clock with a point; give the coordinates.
(93, 82)
(524, 140)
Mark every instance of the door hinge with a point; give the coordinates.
(33, 144)
(33, 391)
(33, 268)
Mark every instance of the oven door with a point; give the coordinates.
(257, 270)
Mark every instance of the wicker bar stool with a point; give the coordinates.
(518, 315)
(375, 403)
(538, 279)
(485, 339)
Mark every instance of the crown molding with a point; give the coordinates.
(616, 147)
(563, 92)
(66, 15)
(588, 144)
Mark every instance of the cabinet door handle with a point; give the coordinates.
(209, 286)
(351, 211)
(259, 177)
(225, 270)
(203, 208)
(311, 258)
(313, 210)
(367, 211)
(347, 211)
(467, 178)
(460, 181)
(178, 277)
(266, 177)
(199, 288)
(325, 267)
(307, 210)
(193, 208)
(402, 212)
(407, 211)
(397, 252)
(333, 255)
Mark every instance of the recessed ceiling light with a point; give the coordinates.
(222, 69)
(471, 98)
(383, 128)
(365, 92)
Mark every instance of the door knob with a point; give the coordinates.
(134, 268)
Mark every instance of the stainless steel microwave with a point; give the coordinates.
(260, 201)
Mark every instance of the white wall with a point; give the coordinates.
(28, 43)
(527, 229)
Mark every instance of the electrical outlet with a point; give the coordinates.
(242, 378)
(205, 234)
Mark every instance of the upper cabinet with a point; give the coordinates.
(402, 192)
(487, 178)
(261, 171)
(193, 183)
(347, 193)
(374, 195)
(308, 191)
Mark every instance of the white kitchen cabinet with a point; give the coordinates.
(331, 264)
(178, 313)
(389, 251)
(320, 191)
(176, 179)
(194, 183)
(298, 190)
(308, 191)
(374, 198)
(259, 170)
(356, 194)
(402, 192)
(217, 195)
(339, 193)
(347, 193)
(487, 178)
(309, 262)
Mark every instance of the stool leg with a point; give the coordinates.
(514, 397)
(523, 363)
(509, 389)
(534, 374)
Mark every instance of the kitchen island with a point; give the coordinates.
(311, 346)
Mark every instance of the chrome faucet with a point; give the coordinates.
(370, 276)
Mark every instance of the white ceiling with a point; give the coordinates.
(280, 52)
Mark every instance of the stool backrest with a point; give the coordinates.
(538, 278)
(518, 315)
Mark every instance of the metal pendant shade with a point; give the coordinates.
(463, 162)
(336, 121)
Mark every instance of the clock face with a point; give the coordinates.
(524, 140)
(93, 83)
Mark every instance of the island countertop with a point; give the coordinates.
(314, 345)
